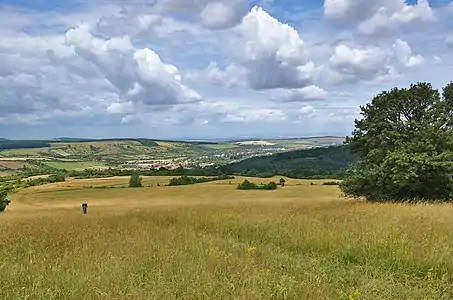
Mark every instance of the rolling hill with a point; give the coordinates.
(120, 152)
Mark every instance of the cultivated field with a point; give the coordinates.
(75, 165)
(211, 241)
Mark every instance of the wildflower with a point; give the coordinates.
(252, 251)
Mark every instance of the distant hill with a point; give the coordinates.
(69, 139)
(335, 138)
(144, 141)
(285, 138)
(28, 144)
(3, 139)
(307, 163)
(22, 144)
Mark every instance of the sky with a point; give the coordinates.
(204, 69)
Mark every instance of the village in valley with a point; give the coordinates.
(131, 154)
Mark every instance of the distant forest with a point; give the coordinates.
(10, 144)
(329, 162)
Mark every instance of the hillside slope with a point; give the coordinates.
(308, 163)
(97, 149)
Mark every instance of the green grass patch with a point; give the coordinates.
(221, 146)
(22, 152)
(291, 251)
(74, 165)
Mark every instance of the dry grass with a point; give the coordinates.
(166, 144)
(105, 147)
(28, 151)
(210, 241)
(75, 165)
(11, 164)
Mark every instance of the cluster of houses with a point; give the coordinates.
(169, 164)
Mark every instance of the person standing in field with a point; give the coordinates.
(84, 207)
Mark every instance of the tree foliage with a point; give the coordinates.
(8, 144)
(405, 143)
(247, 185)
(186, 180)
(4, 202)
(135, 181)
(317, 163)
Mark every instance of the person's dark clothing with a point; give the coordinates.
(84, 207)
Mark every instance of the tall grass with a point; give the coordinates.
(343, 250)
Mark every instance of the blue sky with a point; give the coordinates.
(212, 69)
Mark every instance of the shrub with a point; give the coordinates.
(186, 180)
(135, 181)
(4, 202)
(331, 183)
(270, 186)
(55, 178)
(247, 185)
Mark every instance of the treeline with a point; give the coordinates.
(15, 183)
(43, 180)
(159, 172)
(9, 144)
(186, 180)
(44, 169)
(247, 185)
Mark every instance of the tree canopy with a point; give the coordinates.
(405, 143)
(329, 162)
(247, 185)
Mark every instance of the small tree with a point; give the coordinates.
(282, 181)
(3, 200)
(135, 181)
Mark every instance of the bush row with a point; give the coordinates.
(186, 180)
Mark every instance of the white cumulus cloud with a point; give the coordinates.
(306, 94)
(371, 63)
(129, 66)
(306, 111)
(270, 55)
(138, 75)
(381, 15)
(214, 14)
(449, 40)
(404, 54)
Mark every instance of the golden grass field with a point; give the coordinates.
(211, 241)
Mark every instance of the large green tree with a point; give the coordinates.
(3, 199)
(405, 141)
